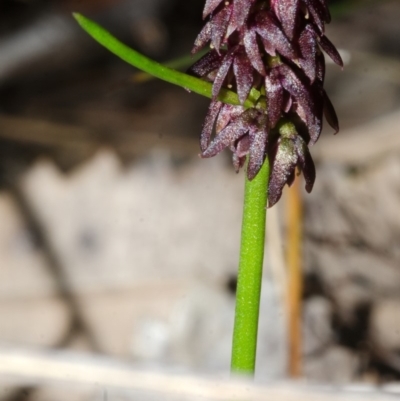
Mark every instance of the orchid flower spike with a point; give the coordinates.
(274, 46)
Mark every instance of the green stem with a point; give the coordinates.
(250, 273)
(158, 70)
(254, 214)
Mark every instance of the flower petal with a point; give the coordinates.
(320, 7)
(237, 128)
(308, 52)
(284, 159)
(330, 50)
(258, 146)
(327, 14)
(305, 162)
(291, 178)
(202, 38)
(253, 50)
(287, 12)
(222, 73)
(243, 146)
(330, 113)
(228, 112)
(208, 63)
(275, 97)
(219, 24)
(210, 6)
(317, 12)
(320, 67)
(237, 161)
(308, 109)
(241, 9)
(208, 125)
(273, 37)
(243, 71)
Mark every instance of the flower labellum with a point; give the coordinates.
(274, 46)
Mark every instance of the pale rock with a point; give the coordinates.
(23, 269)
(385, 324)
(41, 322)
(120, 227)
(336, 365)
(349, 298)
(317, 329)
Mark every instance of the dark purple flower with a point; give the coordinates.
(289, 151)
(245, 132)
(275, 47)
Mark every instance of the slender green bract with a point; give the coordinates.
(250, 273)
(158, 70)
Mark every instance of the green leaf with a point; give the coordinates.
(158, 70)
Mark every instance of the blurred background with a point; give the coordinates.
(117, 240)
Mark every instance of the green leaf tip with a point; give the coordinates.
(79, 17)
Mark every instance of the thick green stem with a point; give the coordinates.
(250, 273)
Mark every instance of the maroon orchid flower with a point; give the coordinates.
(245, 132)
(274, 46)
(289, 151)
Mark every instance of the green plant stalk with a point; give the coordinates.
(248, 290)
(158, 70)
(255, 202)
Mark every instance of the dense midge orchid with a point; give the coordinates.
(274, 46)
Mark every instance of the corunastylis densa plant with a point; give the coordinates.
(264, 73)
